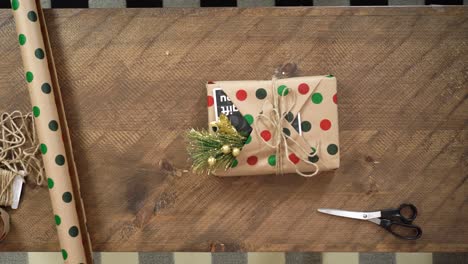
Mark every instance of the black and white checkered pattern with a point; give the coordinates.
(229, 3)
(242, 258)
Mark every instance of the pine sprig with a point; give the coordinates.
(203, 146)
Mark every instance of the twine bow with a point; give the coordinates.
(274, 114)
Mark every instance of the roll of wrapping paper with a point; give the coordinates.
(47, 107)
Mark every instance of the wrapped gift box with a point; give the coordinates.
(291, 124)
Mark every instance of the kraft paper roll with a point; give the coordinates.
(51, 128)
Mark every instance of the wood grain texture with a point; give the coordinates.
(402, 87)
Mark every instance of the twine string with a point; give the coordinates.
(275, 118)
(19, 148)
(6, 190)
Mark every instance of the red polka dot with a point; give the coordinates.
(252, 160)
(241, 95)
(293, 158)
(210, 82)
(325, 124)
(303, 88)
(266, 135)
(335, 99)
(210, 100)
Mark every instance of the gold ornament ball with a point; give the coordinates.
(226, 149)
(235, 152)
(211, 161)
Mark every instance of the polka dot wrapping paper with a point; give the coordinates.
(51, 128)
(314, 98)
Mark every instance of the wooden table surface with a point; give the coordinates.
(133, 81)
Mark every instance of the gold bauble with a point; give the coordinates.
(226, 149)
(235, 152)
(211, 161)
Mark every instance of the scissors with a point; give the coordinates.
(398, 221)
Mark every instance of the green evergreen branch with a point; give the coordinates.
(203, 145)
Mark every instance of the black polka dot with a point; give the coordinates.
(306, 126)
(289, 117)
(32, 16)
(53, 125)
(287, 132)
(46, 88)
(261, 93)
(332, 149)
(60, 160)
(39, 53)
(73, 231)
(314, 159)
(67, 197)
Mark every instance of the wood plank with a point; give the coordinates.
(133, 82)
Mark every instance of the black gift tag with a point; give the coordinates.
(294, 121)
(224, 106)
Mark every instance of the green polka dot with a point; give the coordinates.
(306, 126)
(43, 149)
(32, 16)
(15, 4)
(234, 163)
(289, 117)
(249, 138)
(58, 221)
(22, 39)
(313, 150)
(53, 125)
(317, 98)
(249, 119)
(46, 88)
(261, 93)
(283, 89)
(36, 111)
(329, 76)
(29, 77)
(287, 132)
(67, 197)
(64, 254)
(73, 231)
(272, 160)
(60, 160)
(39, 53)
(50, 183)
(332, 149)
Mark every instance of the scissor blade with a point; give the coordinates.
(350, 214)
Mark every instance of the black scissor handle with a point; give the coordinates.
(402, 230)
(400, 213)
